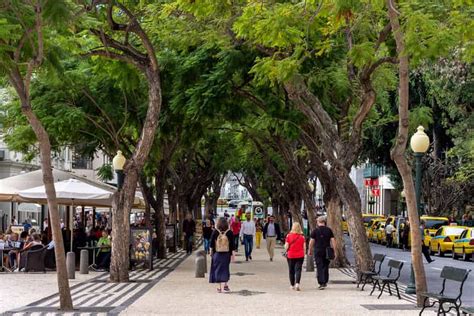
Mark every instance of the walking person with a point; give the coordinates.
(206, 235)
(189, 228)
(424, 249)
(295, 246)
(258, 232)
(247, 232)
(389, 230)
(222, 253)
(235, 226)
(271, 233)
(405, 234)
(322, 238)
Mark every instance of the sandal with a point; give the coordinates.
(219, 290)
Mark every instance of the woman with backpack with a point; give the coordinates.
(222, 252)
(295, 246)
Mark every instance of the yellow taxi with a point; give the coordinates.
(379, 233)
(464, 245)
(372, 228)
(366, 218)
(432, 224)
(443, 239)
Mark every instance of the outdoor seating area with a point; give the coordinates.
(28, 246)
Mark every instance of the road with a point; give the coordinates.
(432, 270)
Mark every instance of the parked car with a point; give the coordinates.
(371, 227)
(432, 224)
(368, 217)
(443, 239)
(379, 232)
(464, 245)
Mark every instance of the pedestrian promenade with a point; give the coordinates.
(94, 296)
(261, 287)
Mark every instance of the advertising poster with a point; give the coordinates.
(140, 251)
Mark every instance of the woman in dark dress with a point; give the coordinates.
(220, 272)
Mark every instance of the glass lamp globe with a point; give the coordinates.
(420, 142)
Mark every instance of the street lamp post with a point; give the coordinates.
(118, 162)
(419, 143)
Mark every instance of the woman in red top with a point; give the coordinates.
(235, 227)
(296, 248)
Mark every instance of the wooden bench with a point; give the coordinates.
(366, 276)
(389, 279)
(451, 274)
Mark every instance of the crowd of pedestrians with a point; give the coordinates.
(222, 242)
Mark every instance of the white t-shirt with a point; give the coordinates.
(389, 229)
(248, 228)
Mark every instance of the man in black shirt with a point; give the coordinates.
(189, 228)
(321, 239)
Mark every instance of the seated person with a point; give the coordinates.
(103, 254)
(36, 240)
(14, 242)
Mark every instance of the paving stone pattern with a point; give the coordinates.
(99, 297)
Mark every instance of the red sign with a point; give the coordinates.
(375, 192)
(371, 182)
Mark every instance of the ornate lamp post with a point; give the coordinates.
(118, 162)
(419, 143)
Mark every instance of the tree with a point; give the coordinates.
(133, 47)
(398, 153)
(23, 47)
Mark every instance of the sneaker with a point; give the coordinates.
(321, 287)
(226, 289)
(250, 257)
(271, 259)
(431, 260)
(247, 259)
(292, 287)
(297, 287)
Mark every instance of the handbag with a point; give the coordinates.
(330, 255)
(285, 253)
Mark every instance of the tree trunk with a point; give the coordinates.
(295, 210)
(333, 206)
(172, 204)
(160, 215)
(122, 204)
(349, 195)
(65, 300)
(398, 154)
(126, 196)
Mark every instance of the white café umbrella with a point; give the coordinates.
(71, 192)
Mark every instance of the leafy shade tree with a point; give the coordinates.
(26, 28)
(398, 153)
(118, 28)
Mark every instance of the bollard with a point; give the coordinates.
(71, 265)
(309, 263)
(204, 254)
(200, 262)
(84, 262)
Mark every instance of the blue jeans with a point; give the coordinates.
(248, 243)
(207, 244)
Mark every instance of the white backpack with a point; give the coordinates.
(222, 242)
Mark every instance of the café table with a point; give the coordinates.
(93, 248)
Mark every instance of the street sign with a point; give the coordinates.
(258, 212)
